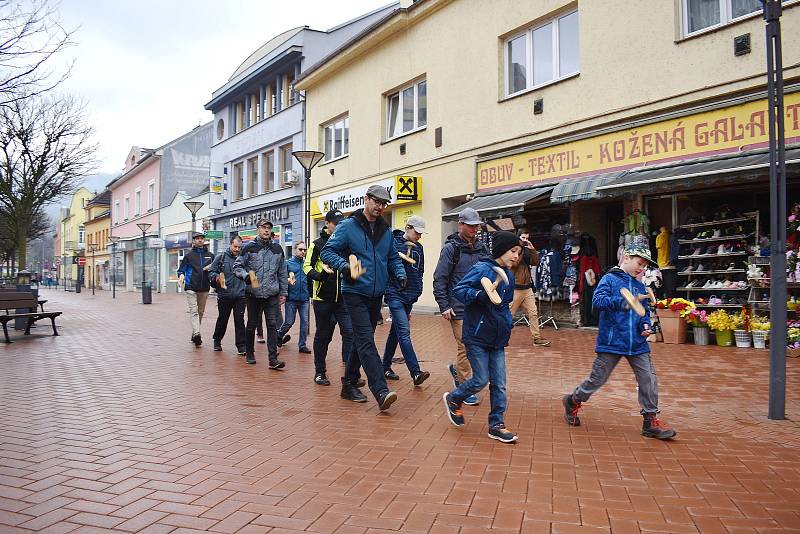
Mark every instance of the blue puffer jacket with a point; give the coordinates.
(414, 272)
(299, 291)
(620, 330)
(375, 250)
(485, 324)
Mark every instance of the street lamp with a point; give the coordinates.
(114, 240)
(194, 207)
(308, 160)
(93, 249)
(145, 294)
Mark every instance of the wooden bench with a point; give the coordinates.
(22, 300)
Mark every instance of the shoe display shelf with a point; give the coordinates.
(712, 262)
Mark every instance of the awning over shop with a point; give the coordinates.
(505, 203)
(684, 175)
(581, 188)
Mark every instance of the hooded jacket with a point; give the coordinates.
(449, 272)
(223, 263)
(325, 287)
(192, 264)
(299, 291)
(266, 259)
(375, 249)
(414, 272)
(485, 324)
(620, 329)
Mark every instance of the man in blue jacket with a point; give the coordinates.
(296, 300)
(366, 235)
(195, 282)
(229, 298)
(400, 301)
(622, 334)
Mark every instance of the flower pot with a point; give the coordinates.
(760, 338)
(724, 338)
(742, 338)
(673, 326)
(701, 335)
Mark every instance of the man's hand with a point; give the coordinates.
(449, 314)
(402, 281)
(282, 299)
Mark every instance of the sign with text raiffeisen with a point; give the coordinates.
(725, 130)
(404, 190)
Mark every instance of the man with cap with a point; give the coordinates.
(401, 300)
(623, 334)
(192, 271)
(265, 259)
(366, 235)
(326, 298)
(461, 251)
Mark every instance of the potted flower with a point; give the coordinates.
(672, 316)
(698, 320)
(742, 335)
(723, 324)
(760, 330)
(793, 339)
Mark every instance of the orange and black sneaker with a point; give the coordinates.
(453, 411)
(571, 410)
(652, 427)
(501, 433)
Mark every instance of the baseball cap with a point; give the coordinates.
(379, 192)
(469, 216)
(639, 247)
(198, 234)
(264, 222)
(334, 216)
(417, 223)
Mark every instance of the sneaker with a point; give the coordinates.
(541, 342)
(571, 411)
(251, 359)
(453, 411)
(652, 427)
(501, 433)
(386, 399)
(260, 339)
(472, 400)
(398, 359)
(390, 375)
(197, 340)
(305, 350)
(284, 340)
(420, 377)
(322, 380)
(452, 370)
(217, 346)
(276, 364)
(241, 351)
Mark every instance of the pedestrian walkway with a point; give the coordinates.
(120, 425)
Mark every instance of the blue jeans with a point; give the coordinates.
(400, 332)
(488, 366)
(290, 308)
(642, 365)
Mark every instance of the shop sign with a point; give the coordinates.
(179, 240)
(250, 219)
(216, 185)
(155, 242)
(247, 235)
(287, 234)
(726, 130)
(214, 234)
(403, 190)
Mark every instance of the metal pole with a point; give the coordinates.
(94, 269)
(143, 251)
(777, 197)
(113, 270)
(308, 232)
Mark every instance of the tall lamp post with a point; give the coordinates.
(114, 240)
(144, 227)
(194, 207)
(93, 249)
(308, 159)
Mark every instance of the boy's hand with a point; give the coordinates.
(647, 331)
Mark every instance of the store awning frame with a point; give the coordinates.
(502, 203)
(582, 187)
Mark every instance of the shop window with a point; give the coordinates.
(542, 54)
(407, 109)
(699, 15)
(337, 138)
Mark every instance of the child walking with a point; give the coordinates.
(622, 333)
(486, 330)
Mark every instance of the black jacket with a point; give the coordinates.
(223, 263)
(194, 277)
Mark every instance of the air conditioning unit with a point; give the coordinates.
(290, 178)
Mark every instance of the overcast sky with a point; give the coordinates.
(146, 68)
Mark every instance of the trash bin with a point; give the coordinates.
(147, 293)
(78, 286)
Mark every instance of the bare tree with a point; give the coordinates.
(46, 150)
(30, 35)
(8, 234)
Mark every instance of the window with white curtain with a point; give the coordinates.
(336, 136)
(699, 15)
(407, 109)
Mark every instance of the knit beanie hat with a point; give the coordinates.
(502, 242)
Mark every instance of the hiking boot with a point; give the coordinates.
(453, 410)
(501, 433)
(386, 399)
(652, 427)
(197, 340)
(322, 380)
(251, 359)
(541, 342)
(217, 346)
(571, 411)
(452, 370)
(276, 364)
(420, 377)
(260, 338)
(390, 375)
(305, 350)
(352, 393)
(284, 340)
(472, 400)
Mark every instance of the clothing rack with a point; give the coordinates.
(550, 318)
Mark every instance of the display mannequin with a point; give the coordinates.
(662, 245)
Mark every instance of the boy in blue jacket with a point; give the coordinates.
(622, 333)
(485, 334)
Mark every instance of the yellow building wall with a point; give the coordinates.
(71, 226)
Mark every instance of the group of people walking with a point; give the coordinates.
(357, 264)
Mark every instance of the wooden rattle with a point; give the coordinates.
(356, 269)
(253, 280)
(221, 281)
(291, 278)
(634, 301)
(182, 282)
(407, 256)
(491, 287)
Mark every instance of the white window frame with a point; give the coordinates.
(528, 34)
(399, 93)
(116, 212)
(127, 207)
(151, 195)
(137, 201)
(342, 122)
(725, 17)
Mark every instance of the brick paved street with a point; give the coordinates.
(120, 425)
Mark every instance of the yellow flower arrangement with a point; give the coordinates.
(683, 306)
(721, 320)
(759, 323)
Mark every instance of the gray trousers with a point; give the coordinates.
(642, 366)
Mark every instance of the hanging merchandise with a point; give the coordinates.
(549, 275)
(637, 222)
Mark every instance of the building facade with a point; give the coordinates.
(176, 234)
(72, 237)
(98, 230)
(549, 112)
